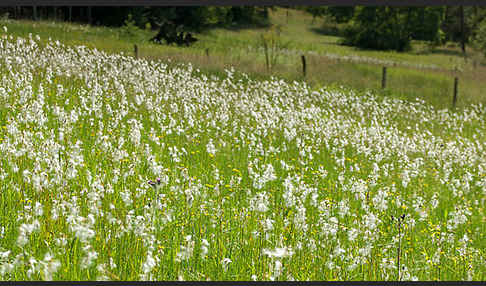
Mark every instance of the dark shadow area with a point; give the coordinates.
(324, 33)
(242, 27)
(440, 51)
(327, 31)
(235, 28)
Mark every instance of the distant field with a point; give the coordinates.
(423, 73)
(114, 168)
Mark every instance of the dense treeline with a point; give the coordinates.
(393, 28)
(174, 23)
(195, 18)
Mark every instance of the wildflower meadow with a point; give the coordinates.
(117, 168)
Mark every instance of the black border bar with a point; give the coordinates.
(242, 2)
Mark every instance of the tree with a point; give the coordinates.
(316, 11)
(381, 28)
(393, 28)
(202, 17)
(175, 23)
(341, 14)
(479, 39)
(424, 23)
(477, 22)
(461, 23)
(463, 36)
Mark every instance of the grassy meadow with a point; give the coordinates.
(116, 168)
(423, 73)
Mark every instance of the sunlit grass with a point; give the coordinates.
(259, 179)
(239, 47)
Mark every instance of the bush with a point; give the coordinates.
(130, 29)
(393, 28)
(379, 28)
(479, 40)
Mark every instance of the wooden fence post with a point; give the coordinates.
(303, 65)
(35, 13)
(135, 49)
(70, 13)
(383, 78)
(454, 99)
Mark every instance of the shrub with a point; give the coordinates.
(379, 28)
(130, 29)
(479, 40)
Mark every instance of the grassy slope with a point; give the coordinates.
(233, 240)
(238, 48)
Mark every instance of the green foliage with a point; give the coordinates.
(201, 17)
(380, 28)
(4, 16)
(424, 23)
(476, 18)
(341, 14)
(452, 24)
(130, 29)
(408, 78)
(113, 16)
(316, 11)
(393, 28)
(274, 180)
(479, 39)
(248, 15)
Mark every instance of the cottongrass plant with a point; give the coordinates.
(116, 168)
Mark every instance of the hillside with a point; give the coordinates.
(116, 168)
(423, 73)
